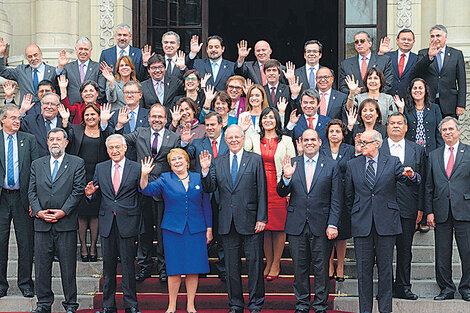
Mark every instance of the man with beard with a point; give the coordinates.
(56, 187)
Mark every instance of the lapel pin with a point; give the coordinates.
(140, 121)
(225, 66)
(340, 156)
(65, 166)
(197, 187)
(244, 164)
(21, 144)
(167, 137)
(132, 53)
(448, 53)
(321, 164)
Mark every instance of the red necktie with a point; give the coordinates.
(450, 163)
(323, 104)
(214, 148)
(401, 64)
(263, 77)
(363, 67)
(310, 122)
(273, 95)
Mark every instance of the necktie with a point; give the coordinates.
(54, 170)
(48, 126)
(160, 91)
(35, 80)
(263, 77)
(309, 175)
(155, 145)
(82, 72)
(323, 104)
(132, 121)
(401, 64)
(363, 67)
(215, 71)
(311, 78)
(10, 170)
(122, 52)
(439, 60)
(214, 148)
(450, 163)
(116, 178)
(234, 170)
(169, 66)
(370, 175)
(310, 122)
(273, 95)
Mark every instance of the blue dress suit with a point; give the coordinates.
(302, 125)
(203, 66)
(187, 216)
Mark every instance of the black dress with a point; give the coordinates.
(89, 153)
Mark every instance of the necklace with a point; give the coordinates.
(92, 133)
(181, 179)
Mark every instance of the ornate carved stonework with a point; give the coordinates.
(403, 14)
(106, 23)
(465, 118)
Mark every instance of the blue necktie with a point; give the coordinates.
(439, 60)
(370, 175)
(54, 171)
(10, 170)
(311, 78)
(214, 70)
(35, 80)
(132, 121)
(234, 170)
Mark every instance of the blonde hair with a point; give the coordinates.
(264, 105)
(178, 151)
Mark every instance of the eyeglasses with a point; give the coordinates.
(157, 117)
(15, 118)
(238, 88)
(155, 68)
(234, 138)
(324, 77)
(364, 143)
(312, 51)
(131, 93)
(191, 79)
(357, 41)
(50, 104)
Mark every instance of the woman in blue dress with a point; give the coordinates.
(186, 225)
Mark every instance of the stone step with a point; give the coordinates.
(424, 288)
(21, 304)
(83, 269)
(85, 285)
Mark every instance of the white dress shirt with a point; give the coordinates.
(407, 57)
(118, 51)
(447, 153)
(60, 159)
(41, 69)
(239, 159)
(216, 68)
(161, 133)
(16, 168)
(121, 169)
(367, 59)
(397, 149)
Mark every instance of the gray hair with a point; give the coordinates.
(447, 119)
(237, 127)
(58, 130)
(378, 137)
(8, 107)
(439, 27)
(169, 33)
(114, 136)
(311, 92)
(133, 83)
(121, 26)
(84, 40)
(48, 94)
(369, 38)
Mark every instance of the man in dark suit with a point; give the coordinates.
(309, 102)
(219, 68)
(358, 65)
(81, 70)
(332, 102)
(28, 106)
(123, 38)
(307, 74)
(370, 195)
(314, 185)
(443, 68)
(241, 181)
(447, 203)
(21, 150)
(138, 115)
(40, 125)
(159, 88)
(117, 180)
(56, 187)
(403, 61)
(170, 46)
(28, 76)
(410, 199)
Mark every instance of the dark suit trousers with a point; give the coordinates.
(220, 264)
(307, 249)
(368, 249)
(443, 235)
(65, 245)
(404, 255)
(152, 212)
(253, 246)
(112, 247)
(10, 208)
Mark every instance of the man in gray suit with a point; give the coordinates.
(56, 187)
(29, 75)
(81, 70)
(21, 150)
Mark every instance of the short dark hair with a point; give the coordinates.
(399, 114)
(369, 38)
(310, 92)
(379, 73)
(91, 83)
(156, 58)
(405, 30)
(314, 41)
(94, 107)
(192, 71)
(216, 37)
(57, 130)
(377, 109)
(212, 114)
(191, 102)
(46, 82)
(224, 97)
(272, 63)
(338, 122)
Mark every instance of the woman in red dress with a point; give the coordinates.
(273, 147)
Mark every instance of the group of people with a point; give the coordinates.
(238, 154)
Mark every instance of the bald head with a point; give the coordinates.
(262, 51)
(371, 140)
(33, 55)
(310, 143)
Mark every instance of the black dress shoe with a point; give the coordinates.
(339, 279)
(41, 309)
(107, 310)
(301, 311)
(255, 311)
(143, 275)
(56, 258)
(163, 277)
(235, 311)
(132, 310)
(71, 311)
(85, 258)
(444, 296)
(223, 277)
(27, 292)
(3, 293)
(93, 258)
(406, 294)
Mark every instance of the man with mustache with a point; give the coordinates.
(56, 187)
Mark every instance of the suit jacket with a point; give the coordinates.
(320, 205)
(345, 153)
(351, 66)
(93, 72)
(65, 193)
(123, 206)
(77, 132)
(246, 202)
(301, 73)
(251, 70)
(451, 80)
(205, 144)
(439, 188)
(401, 83)
(110, 56)
(336, 105)
(410, 198)
(173, 87)
(431, 118)
(377, 206)
(203, 66)
(302, 125)
(196, 212)
(23, 75)
(35, 125)
(283, 91)
(27, 153)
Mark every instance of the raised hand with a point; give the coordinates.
(289, 73)
(63, 82)
(180, 60)
(195, 46)
(209, 91)
(175, 115)
(186, 134)
(385, 46)
(298, 145)
(107, 72)
(243, 50)
(3, 47)
(123, 117)
(287, 168)
(459, 111)
(351, 114)
(434, 49)
(295, 87)
(106, 113)
(63, 60)
(205, 159)
(90, 189)
(26, 104)
(357, 146)
(205, 79)
(64, 112)
(9, 89)
(399, 102)
(147, 165)
(294, 118)
(246, 122)
(408, 171)
(282, 105)
(353, 85)
(146, 54)
(248, 84)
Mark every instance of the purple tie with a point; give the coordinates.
(155, 145)
(82, 72)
